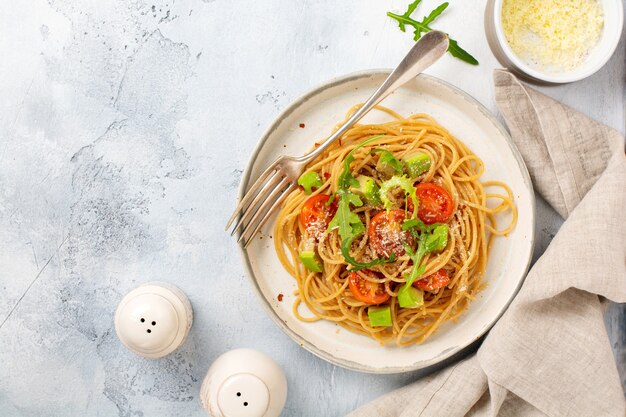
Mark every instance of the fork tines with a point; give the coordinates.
(257, 205)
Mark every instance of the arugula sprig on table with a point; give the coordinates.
(423, 27)
(348, 223)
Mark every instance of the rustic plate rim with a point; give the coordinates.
(327, 356)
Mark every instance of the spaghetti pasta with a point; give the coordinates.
(447, 279)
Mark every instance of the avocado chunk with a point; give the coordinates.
(410, 297)
(416, 164)
(310, 180)
(379, 316)
(368, 189)
(388, 165)
(310, 260)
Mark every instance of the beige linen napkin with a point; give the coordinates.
(549, 355)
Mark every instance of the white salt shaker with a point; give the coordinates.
(154, 319)
(244, 383)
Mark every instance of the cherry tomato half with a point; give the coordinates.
(433, 282)
(367, 291)
(436, 203)
(386, 235)
(316, 214)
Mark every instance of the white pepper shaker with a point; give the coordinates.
(154, 319)
(244, 383)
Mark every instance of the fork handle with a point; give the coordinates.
(422, 55)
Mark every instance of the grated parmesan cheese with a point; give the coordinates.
(553, 35)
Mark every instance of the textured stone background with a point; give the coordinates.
(124, 129)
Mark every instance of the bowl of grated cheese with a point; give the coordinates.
(554, 41)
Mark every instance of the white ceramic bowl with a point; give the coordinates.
(597, 57)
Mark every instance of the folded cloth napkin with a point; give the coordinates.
(549, 354)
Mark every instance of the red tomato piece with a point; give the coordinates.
(386, 235)
(366, 291)
(316, 214)
(433, 282)
(436, 203)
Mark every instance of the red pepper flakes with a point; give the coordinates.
(280, 297)
(301, 125)
(326, 175)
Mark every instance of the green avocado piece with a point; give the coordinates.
(416, 164)
(310, 260)
(379, 316)
(368, 189)
(310, 180)
(410, 297)
(388, 164)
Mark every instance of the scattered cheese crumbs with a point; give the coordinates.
(554, 35)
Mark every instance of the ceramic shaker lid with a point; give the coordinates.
(244, 383)
(153, 320)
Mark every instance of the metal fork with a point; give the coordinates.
(273, 186)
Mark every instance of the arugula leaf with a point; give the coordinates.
(345, 251)
(348, 223)
(438, 239)
(346, 179)
(403, 182)
(408, 12)
(416, 224)
(423, 27)
(458, 52)
(416, 257)
(402, 19)
(428, 19)
(435, 13)
(388, 160)
(431, 238)
(437, 233)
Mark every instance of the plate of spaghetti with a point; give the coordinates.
(407, 239)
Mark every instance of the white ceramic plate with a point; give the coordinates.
(323, 108)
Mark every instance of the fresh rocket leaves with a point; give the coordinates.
(422, 26)
(416, 257)
(348, 223)
(438, 239)
(357, 266)
(434, 14)
(346, 179)
(458, 52)
(436, 235)
(432, 238)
